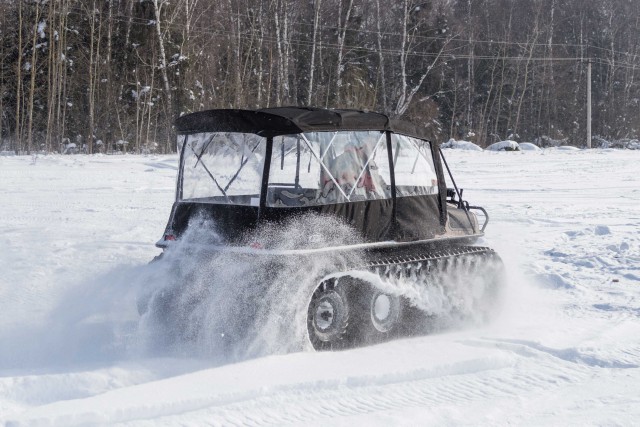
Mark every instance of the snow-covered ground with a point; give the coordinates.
(78, 231)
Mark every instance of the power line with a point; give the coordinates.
(249, 35)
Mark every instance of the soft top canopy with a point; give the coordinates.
(289, 120)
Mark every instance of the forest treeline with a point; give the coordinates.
(99, 73)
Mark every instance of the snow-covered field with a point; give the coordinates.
(76, 233)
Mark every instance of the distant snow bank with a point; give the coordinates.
(507, 145)
(628, 144)
(461, 145)
(528, 146)
(510, 145)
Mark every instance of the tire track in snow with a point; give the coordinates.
(531, 371)
(573, 355)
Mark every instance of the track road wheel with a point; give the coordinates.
(384, 310)
(328, 317)
(377, 313)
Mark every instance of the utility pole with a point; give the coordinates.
(589, 103)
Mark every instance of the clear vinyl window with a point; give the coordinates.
(307, 169)
(222, 167)
(413, 166)
(317, 168)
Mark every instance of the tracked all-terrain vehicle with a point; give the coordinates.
(247, 170)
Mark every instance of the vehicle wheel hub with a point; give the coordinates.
(324, 315)
(381, 307)
(328, 317)
(385, 311)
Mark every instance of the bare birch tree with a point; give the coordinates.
(343, 26)
(317, 4)
(18, 106)
(33, 72)
(408, 90)
(157, 8)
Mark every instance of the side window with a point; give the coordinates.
(318, 168)
(292, 163)
(413, 165)
(223, 167)
(294, 174)
(356, 167)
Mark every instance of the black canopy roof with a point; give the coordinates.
(289, 120)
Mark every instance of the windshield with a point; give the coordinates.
(222, 167)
